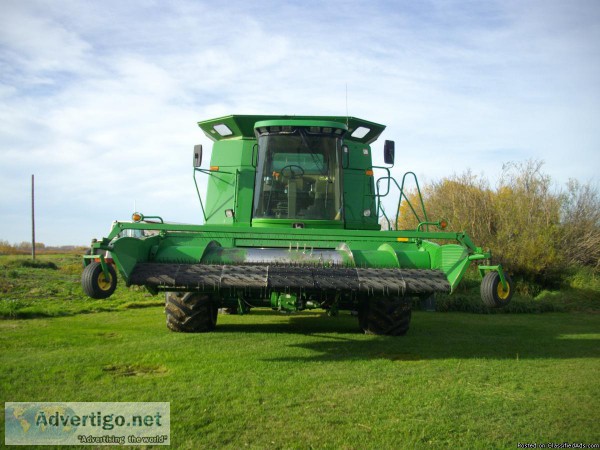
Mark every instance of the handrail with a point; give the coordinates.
(198, 191)
(145, 219)
(402, 195)
(235, 196)
(212, 173)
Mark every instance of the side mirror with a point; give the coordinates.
(197, 155)
(388, 152)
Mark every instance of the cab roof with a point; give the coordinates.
(242, 126)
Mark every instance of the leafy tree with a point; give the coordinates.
(533, 229)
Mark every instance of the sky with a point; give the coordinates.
(100, 100)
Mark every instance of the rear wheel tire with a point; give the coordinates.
(95, 284)
(493, 293)
(190, 312)
(385, 316)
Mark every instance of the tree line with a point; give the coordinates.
(534, 229)
(24, 248)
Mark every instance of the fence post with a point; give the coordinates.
(32, 218)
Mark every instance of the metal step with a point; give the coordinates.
(287, 277)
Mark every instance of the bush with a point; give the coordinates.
(14, 262)
(535, 231)
(35, 264)
(580, 239)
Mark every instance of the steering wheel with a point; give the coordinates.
(294, 169)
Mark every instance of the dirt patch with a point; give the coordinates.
(133, 370)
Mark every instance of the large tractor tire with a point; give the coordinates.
(95, 284)
(190, 312)
(385, 316)
(493, 293)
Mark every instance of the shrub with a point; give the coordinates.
(535, 231)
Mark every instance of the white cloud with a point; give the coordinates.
(101, 100)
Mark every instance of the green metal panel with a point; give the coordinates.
(409, 255)
(289, 223)
(127, 252)
(180, 249)
(232, 154)
(220, 197)
(414, 259)
(374, 258)
(390, 255)
(452, 259)
(244, 200)
(230, 183)
(359, 187)
(229, 233)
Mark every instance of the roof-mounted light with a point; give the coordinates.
(360, 132)
(223, 129)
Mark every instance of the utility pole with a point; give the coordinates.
(32, 218)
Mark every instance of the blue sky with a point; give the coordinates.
(100, 99)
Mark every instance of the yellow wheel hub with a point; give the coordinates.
(103, 283)
(503, 293)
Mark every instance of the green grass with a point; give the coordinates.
(50, 286)
(580, 292)
(305, 380)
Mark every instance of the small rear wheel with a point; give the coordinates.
(190, 312)
(95, 284)
(385, 316)
(493, 293)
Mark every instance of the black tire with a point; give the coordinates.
(385, 316)
(190, 312)
(94, 283)
(493, 293)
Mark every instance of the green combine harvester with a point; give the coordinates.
(292, 222)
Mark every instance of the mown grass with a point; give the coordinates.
(305, 380)
(50, 286)
(579, 291)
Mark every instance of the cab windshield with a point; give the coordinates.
(298, 176)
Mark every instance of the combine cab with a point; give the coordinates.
(291, 222)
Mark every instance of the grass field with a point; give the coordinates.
(306, 380)
(50, 286)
